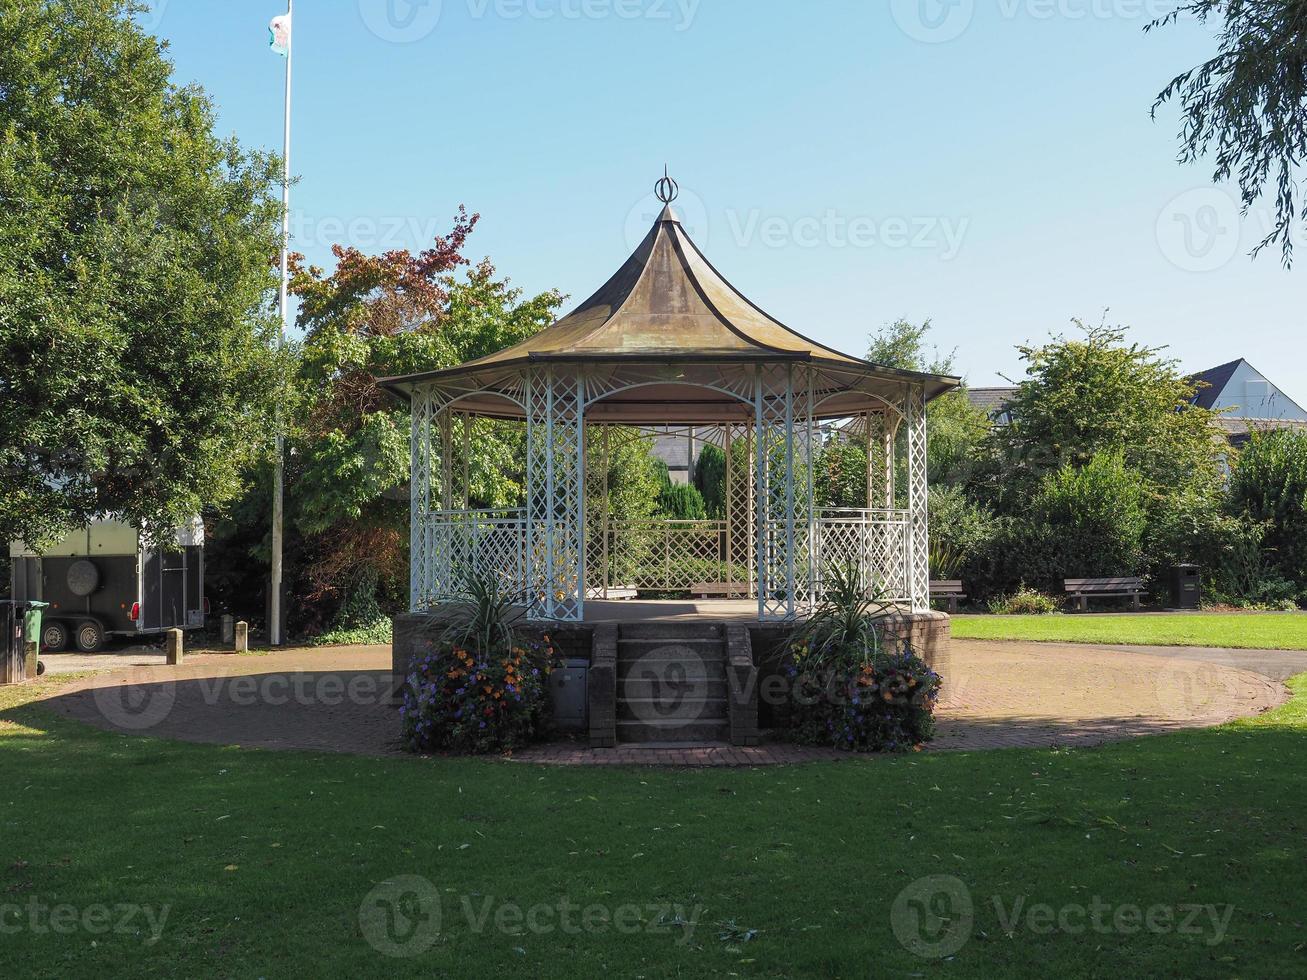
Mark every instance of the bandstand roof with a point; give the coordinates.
(664, 326)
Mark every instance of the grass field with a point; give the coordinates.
(1177, 856)
(1249, 631)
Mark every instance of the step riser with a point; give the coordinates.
(634, 733)
(700, 710)
(669, 631)
(637, 688)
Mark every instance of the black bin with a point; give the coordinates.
(13, 645)
(1186, 587)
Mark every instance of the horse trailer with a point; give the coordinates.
(105, 580)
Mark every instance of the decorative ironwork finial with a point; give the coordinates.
(667, 190)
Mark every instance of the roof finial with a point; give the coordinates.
(667, 190)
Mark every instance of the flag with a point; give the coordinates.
(279, 30)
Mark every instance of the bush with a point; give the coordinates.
(1099, 510)
(1024, 602)
(848, 693)
(456, 701)
(959, 530)
(682, 502)
(1269, 486)
(378, 632)
(710, 480)
(884, 704)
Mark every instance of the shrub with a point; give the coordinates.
(848, 692)
(377, 632)
(476, 688)
(1099, 509)
(1269, 486)
(1024, 602)
(682, 502)
(710, 480)
(460, 701)
(959, 530)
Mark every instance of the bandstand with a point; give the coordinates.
(667, 342)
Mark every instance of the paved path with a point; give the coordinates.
(996, 695)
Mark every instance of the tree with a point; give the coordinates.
(955, 429)
(1269, 486)
(348, 442)
(139, 369)
(1249, 101)
(1098, 393)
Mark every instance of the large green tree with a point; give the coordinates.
(138, 364)
(372, 317)
(1247, 104)
(1100, 393)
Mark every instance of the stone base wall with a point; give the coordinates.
(926, 634)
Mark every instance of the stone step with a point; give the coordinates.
(664, 630)
(644, 732)
(672, 670)
(638, 686)
(684, 710)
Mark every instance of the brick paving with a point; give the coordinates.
(996, 695)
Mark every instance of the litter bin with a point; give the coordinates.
(567, 695)
(32, 627)
(13, 645)
(1186, 587)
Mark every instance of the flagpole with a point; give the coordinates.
(278, 478)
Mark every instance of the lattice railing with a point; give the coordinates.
(875, 543)
(471, 543)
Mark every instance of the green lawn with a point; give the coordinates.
(1249, 631)
(262, 860)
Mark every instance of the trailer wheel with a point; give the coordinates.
(54, 636)
(90, 636)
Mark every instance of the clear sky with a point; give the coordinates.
(989, 164)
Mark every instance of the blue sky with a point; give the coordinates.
(989, 164)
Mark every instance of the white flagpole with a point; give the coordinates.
(278, 479)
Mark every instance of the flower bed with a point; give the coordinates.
(883, 703)
(458, 700)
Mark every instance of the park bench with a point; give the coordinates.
(702, 590)
(1082, 589)
(949, 590)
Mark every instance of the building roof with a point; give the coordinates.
(668, 307)
(1212, 382)
(992, 401)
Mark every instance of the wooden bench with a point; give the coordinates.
(1081, 589)
(950, 590)
(702, 590)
